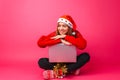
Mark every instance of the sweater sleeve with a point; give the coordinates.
(78, 41)
(47, 41)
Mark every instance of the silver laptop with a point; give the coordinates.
(62, 53)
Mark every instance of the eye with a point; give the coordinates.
(58, 26)
(65, 26)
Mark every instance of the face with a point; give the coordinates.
(62, 28)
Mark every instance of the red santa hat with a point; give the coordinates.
(67, 20)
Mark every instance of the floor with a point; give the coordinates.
(31, 71)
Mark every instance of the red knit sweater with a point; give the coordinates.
(77, 41)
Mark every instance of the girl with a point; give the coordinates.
(67, 34)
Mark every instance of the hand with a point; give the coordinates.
(66, 42)
(58, 37)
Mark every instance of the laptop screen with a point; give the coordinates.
(62, 53)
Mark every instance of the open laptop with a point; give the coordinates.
(62, 53)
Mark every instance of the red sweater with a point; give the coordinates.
(77, 41)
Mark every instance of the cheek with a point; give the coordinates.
(58, 29)
(66, 29)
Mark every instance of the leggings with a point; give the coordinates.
(82, 59)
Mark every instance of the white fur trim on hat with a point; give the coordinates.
(65, 21)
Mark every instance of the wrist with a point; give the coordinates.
(63, 36)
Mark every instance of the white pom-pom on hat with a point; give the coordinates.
(73, 33)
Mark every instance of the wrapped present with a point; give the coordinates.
(60, 70)
(48, 74)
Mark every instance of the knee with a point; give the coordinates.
(42, 61)
(87, 56)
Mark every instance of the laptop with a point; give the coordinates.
(62, 53)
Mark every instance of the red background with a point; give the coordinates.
(22, 22)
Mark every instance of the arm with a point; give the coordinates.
(79, 41)
(61, 39)
(47, 41)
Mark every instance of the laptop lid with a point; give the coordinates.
(62, 53)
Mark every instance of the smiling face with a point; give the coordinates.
(62, 28)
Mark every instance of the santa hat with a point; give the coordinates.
(67, 20)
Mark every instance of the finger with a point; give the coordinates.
(53, 37)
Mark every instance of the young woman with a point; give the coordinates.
(67, 34)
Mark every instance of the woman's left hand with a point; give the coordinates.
(58, 37)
